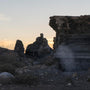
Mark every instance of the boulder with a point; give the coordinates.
(19, 48)
(6, 78)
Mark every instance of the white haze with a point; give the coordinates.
(66, 57)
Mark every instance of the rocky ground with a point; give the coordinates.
(20, 71)
(63, 81)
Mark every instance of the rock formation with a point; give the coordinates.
(39, 48)
(72, 41)
(19, 48)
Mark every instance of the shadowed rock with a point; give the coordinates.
(3, 50)
(6, 78)
(72, 41)
(39, 48)
(69, 25)
(19, 48)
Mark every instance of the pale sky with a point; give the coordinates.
(26, 19)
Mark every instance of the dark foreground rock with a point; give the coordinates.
(38, 76)
(10, 60)
(65, 81)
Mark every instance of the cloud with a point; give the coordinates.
(4, 18)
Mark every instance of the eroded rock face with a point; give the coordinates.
(72, 41)
(19, 48)
(69, 25)
(39, 48)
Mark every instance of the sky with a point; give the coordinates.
(26, 19)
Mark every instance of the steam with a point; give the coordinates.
(66, 57)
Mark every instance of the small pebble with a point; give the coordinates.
(69, 84)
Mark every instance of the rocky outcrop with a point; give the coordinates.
(69, 25)
(72, 41)
(19, 48)
(39, 48)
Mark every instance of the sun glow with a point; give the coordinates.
(50, 42)
(7, 44)
(10, 44)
